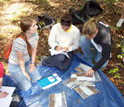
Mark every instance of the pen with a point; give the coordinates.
(58, 43)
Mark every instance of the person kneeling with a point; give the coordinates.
(96, 36)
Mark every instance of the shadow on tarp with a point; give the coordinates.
(108, 96)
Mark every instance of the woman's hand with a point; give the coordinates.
(3, 94)
(32, 67)
(89, 73)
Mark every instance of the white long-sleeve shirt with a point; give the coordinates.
(66, 39)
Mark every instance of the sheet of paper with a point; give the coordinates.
(85, 92)
(9, 90)
(55, 52)
(58, 100)
(5, 102)
(86, 68)
(72, 83)
(82, 78)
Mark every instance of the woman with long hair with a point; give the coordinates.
(22, 69)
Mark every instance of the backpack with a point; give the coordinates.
(8, 48)
(78, 16)
(90, 9)
(44, 21)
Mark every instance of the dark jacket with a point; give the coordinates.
(103, 38)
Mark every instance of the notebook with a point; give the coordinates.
(49, 81)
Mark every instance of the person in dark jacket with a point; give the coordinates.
(96, 36)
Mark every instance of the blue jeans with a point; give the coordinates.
(87, 47)
(59, 61)
(18, 77)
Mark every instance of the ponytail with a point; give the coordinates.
(25, 24)
(90, 27)
(93, 20)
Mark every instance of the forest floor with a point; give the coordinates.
(12, 11)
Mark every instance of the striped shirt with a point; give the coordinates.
(20, 45)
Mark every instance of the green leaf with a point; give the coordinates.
(117, 75)
(113, 71)
(120, 56)
(110, 71)
(118, 45)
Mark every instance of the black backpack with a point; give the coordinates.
(90, 9)
(78, 16)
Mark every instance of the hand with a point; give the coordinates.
(66, 49)
(3, 94)
(59, 48)
(89, 73)
(32, 67)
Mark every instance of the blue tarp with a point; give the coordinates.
(108, 96)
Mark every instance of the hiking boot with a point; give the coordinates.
(119, 23)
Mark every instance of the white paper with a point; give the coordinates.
(85, 78)
(55, 52)
(86, 68)
(58, 100)
(87, 90)
(97, 46)
(9, 90)
(5, 102)
(73, 76)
